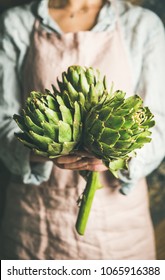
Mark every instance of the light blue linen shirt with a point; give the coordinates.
(144, 38)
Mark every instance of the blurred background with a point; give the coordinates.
(156, 181)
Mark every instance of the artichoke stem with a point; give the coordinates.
(86, 202)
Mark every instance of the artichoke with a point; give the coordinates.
(84, 85)
(112, 132)
(48, 126)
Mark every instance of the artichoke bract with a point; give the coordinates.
(84, 85)
(115, 129)
(48, 126)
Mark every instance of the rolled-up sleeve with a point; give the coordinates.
(13, 154)
(151, 88)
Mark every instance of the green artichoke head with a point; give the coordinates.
(84, 85)
(48, 126)
(115, 129)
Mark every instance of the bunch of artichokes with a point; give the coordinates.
(82, 113)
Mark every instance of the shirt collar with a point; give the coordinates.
(106, 18)
(42, 13)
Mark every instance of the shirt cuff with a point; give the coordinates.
(38, 173)
(129, 178)
(22, 170)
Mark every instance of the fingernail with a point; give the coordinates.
(78, 158)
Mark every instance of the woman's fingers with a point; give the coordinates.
(67, 159)
(84, 154)
(78, 163)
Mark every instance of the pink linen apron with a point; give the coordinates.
(40, 221)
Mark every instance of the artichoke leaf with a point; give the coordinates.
(40, 153)
(104, 97)
(72, 92)
(104, 113)
(20, 122)
(39, 140)
(81, 100)
(65, 132)
(52, 116)
(67, 147)
(99, 88)
(60, 100)
(50, 130)
(125, 135)
(61, 85)
(109, 136)
(31, 114)
(116, 165)
(77, 131)
(105, 83)
(67, 99)
(145, 133)
(22, 137)
(92, 98)
(55, 90)
(106, 149)
(122, 112)
(88, 138)
(97, 128)
(77, 113)
(52, 104)
(32, 126)
(73, 76)
(134, 146)
(117, 96)
(132, 102)
(90, 76)
(39, 116)
(128, 123)
(66, 114)
(114, 122)
(83, 83)
(143, 140)
(34, 95)
(123, 144)
(148, 123)
(54, 149)
(92, 117)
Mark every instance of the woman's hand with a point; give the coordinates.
(80, 161)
